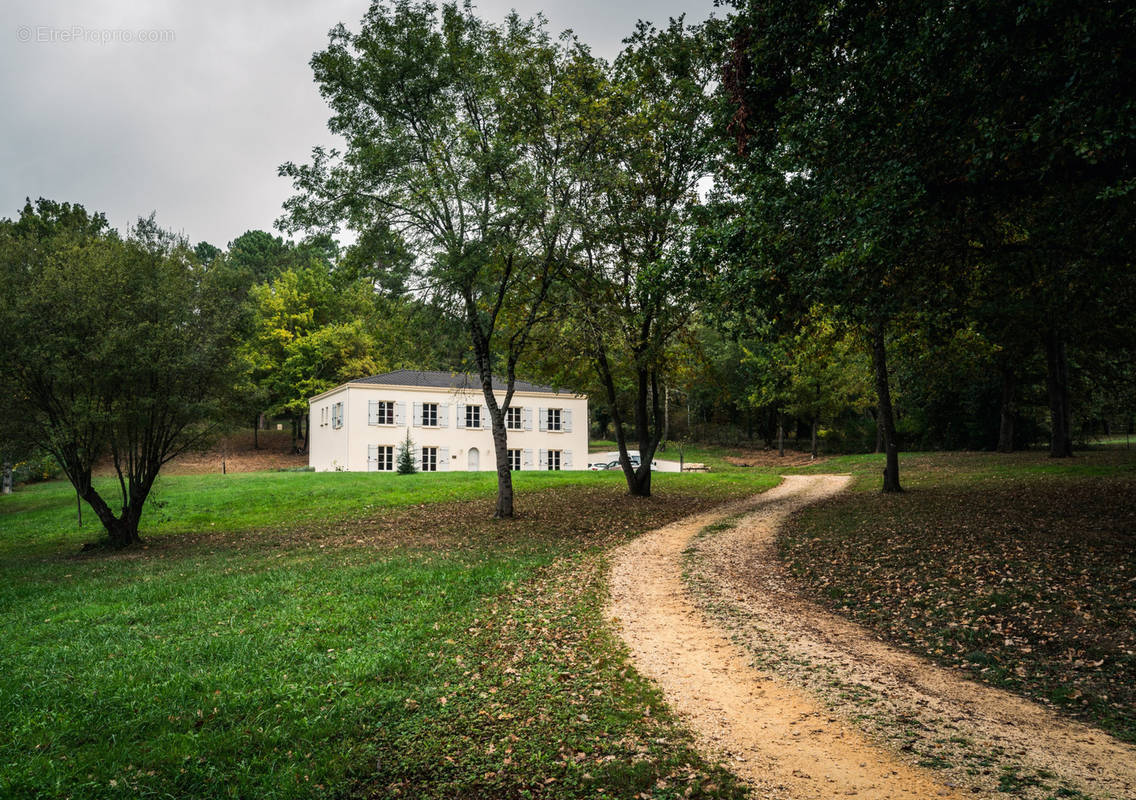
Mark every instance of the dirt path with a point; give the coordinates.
(782, 730)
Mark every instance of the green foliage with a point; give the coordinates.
(878, 167)
(461, 138)
(634, 287)
(116, 347)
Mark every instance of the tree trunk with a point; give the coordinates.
(256, 434)
(781, 434)
(879, 433)
(647, 410)
(306, 421)
(886, 416)
(7, 480)
(1057, 384)
(504, 509)
(1008, 411)
(121, 531)
(814, 438)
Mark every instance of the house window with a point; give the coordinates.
(381, 458)
(515, 460)
(430, 415)
(513, 419)
(323, 417)
(337, 415)
(554, 459)
(429, 454)
(473, 416)
(382, 412)
(554, 421)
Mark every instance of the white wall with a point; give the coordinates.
(327, 446)
(346, 448)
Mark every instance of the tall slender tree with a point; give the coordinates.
(461, 139)
(635, 284)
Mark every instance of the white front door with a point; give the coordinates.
(474, 460)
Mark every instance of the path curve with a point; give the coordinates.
(776, 736)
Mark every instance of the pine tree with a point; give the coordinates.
(406, 457)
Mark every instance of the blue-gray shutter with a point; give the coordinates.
(417, 421)
(461, 415)
(372, 412)
(566, 420)
(527, 458)
(443, 459)
(542, 419)
(565, 459)
(400, 413)
(528, 419)
(443, 415)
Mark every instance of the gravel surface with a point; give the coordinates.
(781, 739)
(982, 740)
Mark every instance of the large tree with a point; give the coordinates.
(461, 138)
(908, 147)
(119, 348)
(635, 285)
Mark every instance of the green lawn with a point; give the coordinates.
(311, 635)
(42, 517)
(364, 635)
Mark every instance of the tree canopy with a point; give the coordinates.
(116, 347)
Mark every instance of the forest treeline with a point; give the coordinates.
(851, 226)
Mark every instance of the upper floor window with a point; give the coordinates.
(381, 412)
(513, 418)
(554, 420)
(337, 415)
(430, 414)
(473, 416)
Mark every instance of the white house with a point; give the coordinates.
(359, 425)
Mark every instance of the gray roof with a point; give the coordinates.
(449, 380)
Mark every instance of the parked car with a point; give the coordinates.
(604, 465)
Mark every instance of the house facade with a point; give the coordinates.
(360, 425)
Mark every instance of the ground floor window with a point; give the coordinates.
(554, 459)
(514, 460)
(429, 459)
(380, 458)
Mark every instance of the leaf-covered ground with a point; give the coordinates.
(414, 649)
(1017, 570)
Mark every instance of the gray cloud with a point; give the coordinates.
(188, 109)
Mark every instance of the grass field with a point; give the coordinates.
(312, 635)
(362, 635)
(1019, 570)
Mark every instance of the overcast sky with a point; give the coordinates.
(188, 108)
